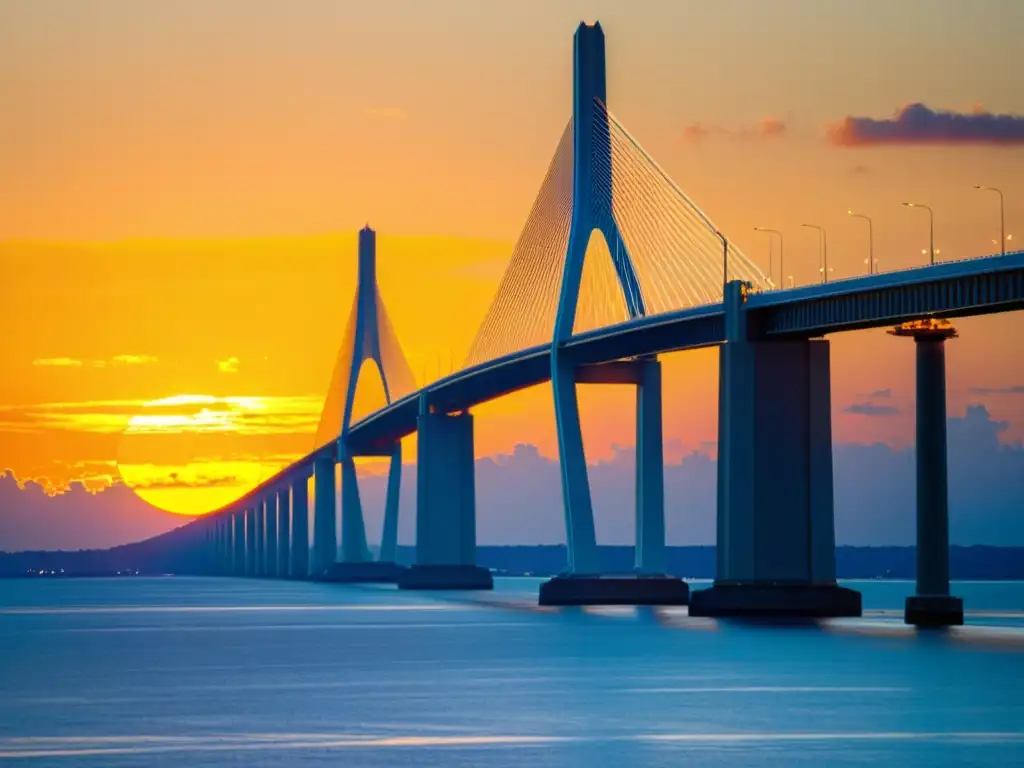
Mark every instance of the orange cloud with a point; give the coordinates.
(134, 359)
(58, 362)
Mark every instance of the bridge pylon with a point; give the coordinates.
(369, 339)
(592, 210)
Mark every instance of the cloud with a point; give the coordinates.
(1017, 389)
(919, 124)
(519, 499)
(70, 362)
(765, 129)
(58, 362)
(881, 393)
(228, 365)
(133, 359)
(32, 517)
(387, 114)
(175, 480)
(870, 409)
(192, 414)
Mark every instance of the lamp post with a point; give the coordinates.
(931, 229)
(782, 264)
(824, 250)
(725, 261)
(871, 241)
(1002, 217)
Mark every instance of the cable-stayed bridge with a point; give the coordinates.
(614, 266)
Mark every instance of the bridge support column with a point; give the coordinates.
(300, 529)
(649, 585)
(353, 528)
(260, 533)
(356, 565)
(238, 542)
(389, 534)
(445, 506)
(325, 542)
(225, 552)
(650, 473)
(931, 605)
(250, 541)
(270, 565)
(580, 539)
(776, 535)
(284, 531)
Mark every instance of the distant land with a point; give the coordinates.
(695, 562)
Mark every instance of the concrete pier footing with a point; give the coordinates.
(367, 572)
(776, 601)
(446, 577)
(614, 590)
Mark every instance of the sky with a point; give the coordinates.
(183, 182)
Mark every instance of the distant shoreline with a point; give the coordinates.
(967, 563)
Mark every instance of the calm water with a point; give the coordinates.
(194, 672)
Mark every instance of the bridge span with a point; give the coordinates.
(678, 284)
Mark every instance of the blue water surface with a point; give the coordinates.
(201, 672)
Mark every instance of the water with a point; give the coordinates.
(198, 672)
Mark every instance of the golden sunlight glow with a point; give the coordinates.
(192, 454)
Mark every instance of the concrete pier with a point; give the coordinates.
(353, 527)
(250, 541)
(270, 527)
(776, 534)
(238, 542)
(931, 605)
(445, 506)
(260, 535)
(356, 566)
(325, 542)
(650, 473)
(650, 585)
(300, 529)
(284, 531)
(389, 534)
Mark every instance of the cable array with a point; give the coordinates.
(657, 251)
(672, 244)
(397, 371)
(522, 313)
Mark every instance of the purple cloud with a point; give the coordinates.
(919, 124)
(870, 409)
(1017, 389)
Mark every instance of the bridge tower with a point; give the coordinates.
(369, 339)
(592, 211)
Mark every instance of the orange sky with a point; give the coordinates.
(183, 182)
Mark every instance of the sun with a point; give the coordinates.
(193, 454)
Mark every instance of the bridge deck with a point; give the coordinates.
(955, 289)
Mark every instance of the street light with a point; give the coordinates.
(871, 241)
(931, 228)
(725, 261)
(1002, 217)
(824, 251)
(782, 267)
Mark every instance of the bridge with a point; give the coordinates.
(658, 277)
